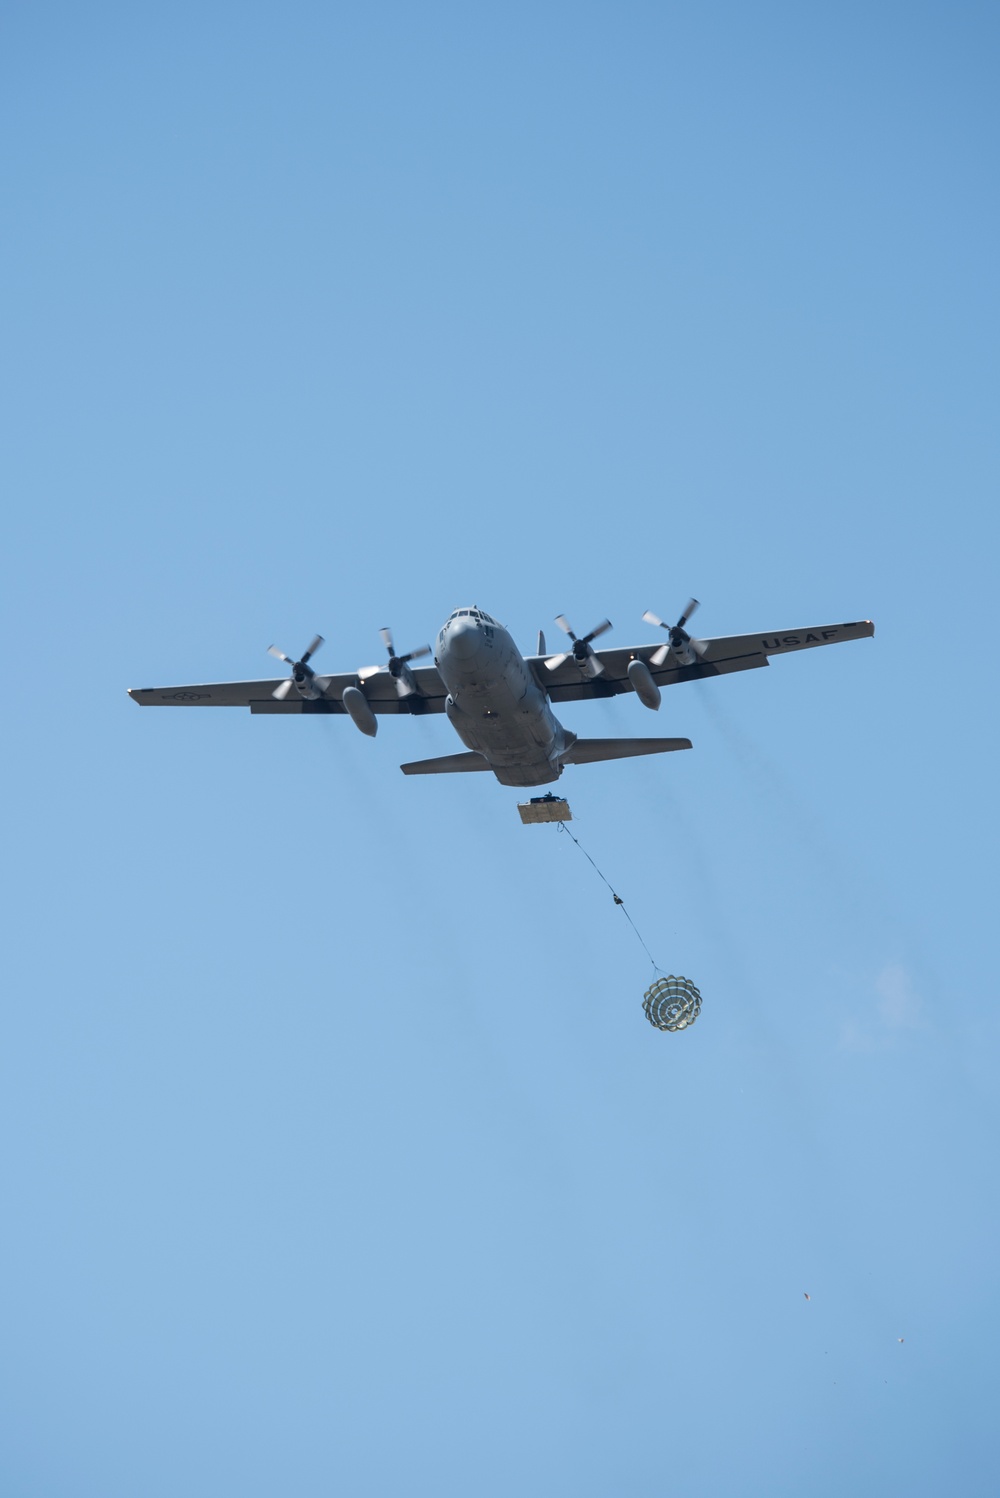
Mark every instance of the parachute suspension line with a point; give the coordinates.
(616, 897)
(670, 1003)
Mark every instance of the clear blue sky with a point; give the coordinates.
(336, 1154)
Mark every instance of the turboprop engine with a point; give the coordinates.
(398, 666)
(582, 652)
(303, 677)
(686, 652)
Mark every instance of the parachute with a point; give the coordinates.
(671, 1002)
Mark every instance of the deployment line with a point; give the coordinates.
(615, 896)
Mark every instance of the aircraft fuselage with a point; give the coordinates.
(494, 703)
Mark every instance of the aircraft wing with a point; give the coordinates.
(380, 690)
(724, 654)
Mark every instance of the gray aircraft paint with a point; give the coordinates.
(494, 703)
(499, 701)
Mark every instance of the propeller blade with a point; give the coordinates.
(659, 656)
(564, 624)
(555, 661)
(281, 692)
(385, 635)
(593, 666)
(403, 688)
(314, 645)
(689, 609)
(601, 629)
(280, 655)
(367, 671)
(415, 655)
(651, 618)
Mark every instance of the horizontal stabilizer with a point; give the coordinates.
(589, 751)
(446, 765)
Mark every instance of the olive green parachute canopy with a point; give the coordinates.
(672, 1003)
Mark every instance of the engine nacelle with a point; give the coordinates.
(683, 653)
(305, 685)
(361, 715)
(642, 681)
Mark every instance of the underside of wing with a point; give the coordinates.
(379, 690)
(570, 685)
(718, 657)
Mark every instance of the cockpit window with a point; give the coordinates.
(479, 614)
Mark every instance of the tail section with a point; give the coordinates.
(446, 765)
(580, 752)
(589, 751)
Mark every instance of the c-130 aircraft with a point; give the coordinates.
(498, 700)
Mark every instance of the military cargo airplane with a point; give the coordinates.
(498, 700)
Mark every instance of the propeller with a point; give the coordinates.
(582, 651)
(687, 651)
(398, 666)
(302, 675)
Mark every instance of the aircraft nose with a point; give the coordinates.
(463, 639)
